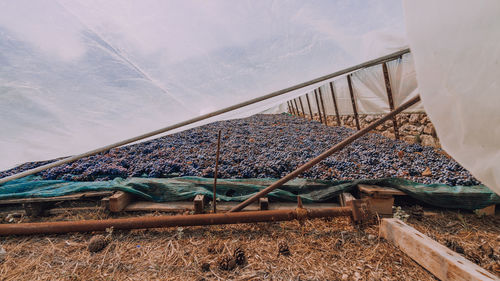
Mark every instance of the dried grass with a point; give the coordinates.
(320, 250)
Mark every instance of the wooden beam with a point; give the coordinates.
(389, 97)
(309, 105)
(119, 200)
(346, 199)
(318, 105)
(199, 204)
(444, 263)
(71, 197)
(302, 107)
(379, 191)
(353, 101)
(322, 105)
(335, 104)
(297, 107)
(288, 105)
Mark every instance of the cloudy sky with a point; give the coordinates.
(75, 75)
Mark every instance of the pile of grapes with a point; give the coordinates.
(265, 146)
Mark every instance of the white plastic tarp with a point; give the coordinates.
(76, 75)
(456, 48)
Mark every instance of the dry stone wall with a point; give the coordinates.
(413, 127)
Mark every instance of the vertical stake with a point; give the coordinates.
(335, 104)
(215, 174)
(302, 107)
(296, 106)
(322, 105)
(309, 105)
(288, 104)
(390, 98)
(318, 106)
(353, 102)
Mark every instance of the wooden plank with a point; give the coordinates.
(71, 197)
(182, 206)
(375, 190)
(382, 206)
(346, 199)
(335, 104)
(487, 211)
(199, 204)
(318, 105)
(264, 203)
(444, 263)
(119, 200)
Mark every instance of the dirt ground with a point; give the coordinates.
(319, 250)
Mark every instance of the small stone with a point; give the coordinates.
(369, 118)
(428, 140)
(345, 276)
(428, 129)
(414, 119)
(371, 237)
(97, 243)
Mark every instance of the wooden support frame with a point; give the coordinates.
(486, 211)
(335, 104)
(309, 105)
(288, 105)
(318, 106)
(297, 107)
(346, 199)
(302, 107)
(444, 263)
(381, 198)
(119, 200)
(390, 98)
(71, 197)
(322, 105)
(354, 108)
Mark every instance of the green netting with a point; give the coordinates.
(184, 188)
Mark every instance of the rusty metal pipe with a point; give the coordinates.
(324, 155)
(172, 221)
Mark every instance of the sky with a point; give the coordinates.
(75, 75)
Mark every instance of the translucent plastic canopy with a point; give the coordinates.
(76, 75)
(456, 48)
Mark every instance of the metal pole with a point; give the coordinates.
(302, 107)
(322, 105)
(215, 173)
(324, 155)
(353, 102)
(389, 97)
(296, 106)
(335, 104)
(309, 105)
(318, 106)
(173, 221)
(205, 116)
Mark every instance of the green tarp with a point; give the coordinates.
(184, 188)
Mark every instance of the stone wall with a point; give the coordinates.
(413, 127)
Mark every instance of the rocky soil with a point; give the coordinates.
(265, 146)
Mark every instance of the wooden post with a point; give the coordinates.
(263, 203)
(318, 105)
(215, 173)
(296, 106)
(444, 263)
(288, 105)
(335, 104)
(390, 98)
(309, 105)
(199, 203)
(353, 102)
(322, 105)
(302, 107)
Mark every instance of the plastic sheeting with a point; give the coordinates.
(369, 89)
(457, 53)
(76, 75)
(185, 188)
